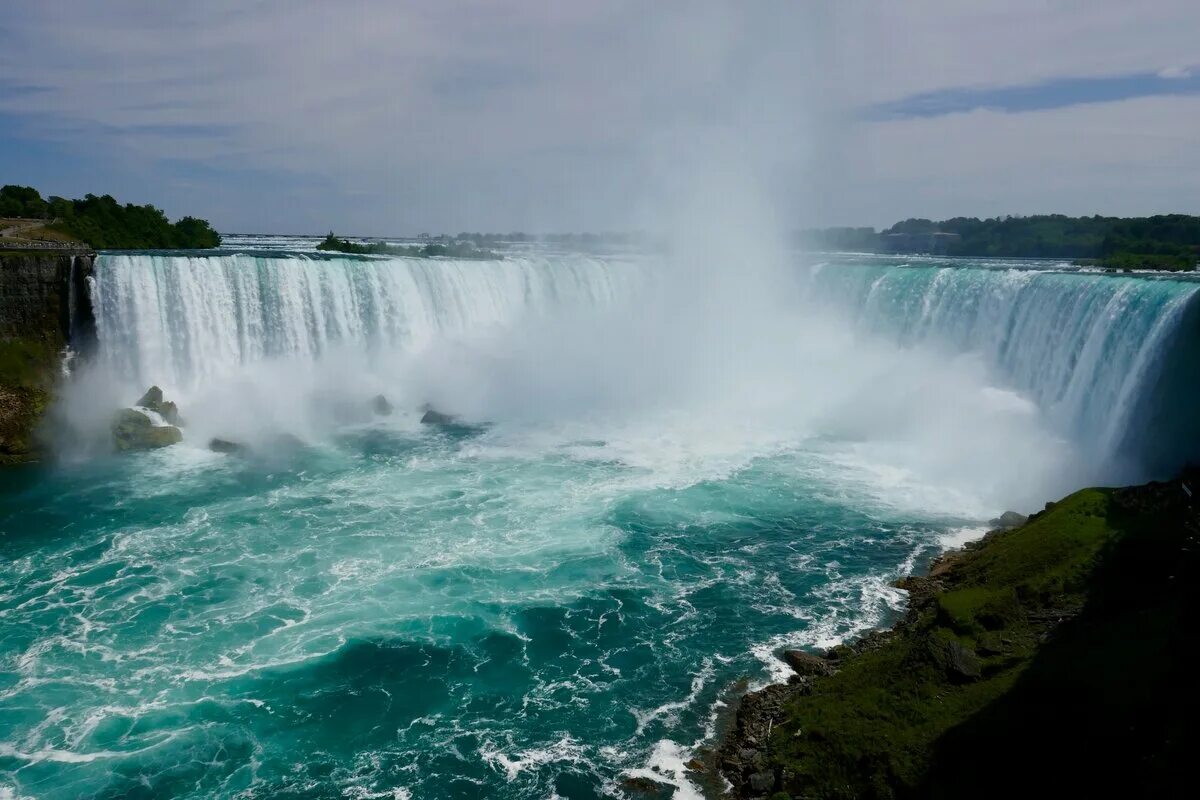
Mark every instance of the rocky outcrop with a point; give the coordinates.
(434, 417)
(133, 429)
(218, 445)
(152, 423)
(153, 400)
(381, 406)
(806, 664)
(1009, 519)
(45, 305)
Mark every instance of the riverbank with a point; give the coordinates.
(1043, 660)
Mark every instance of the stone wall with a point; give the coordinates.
(45, 304)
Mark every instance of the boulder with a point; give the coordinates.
(643, 786)
(381, 406)
(435, 417)
(226, 446)
(806, 663)
(153, 400)
(960, 663)
(134, 430)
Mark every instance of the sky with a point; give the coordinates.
(371, 117)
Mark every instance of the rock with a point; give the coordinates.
(434, 417)
(838, 652)
(806, 663)
(643, 786)
(226, 446)
(381, 406)
(762, 782)
(133, 430)
(1009, 519)
(153, 400)
(170, 413)
(960, 663)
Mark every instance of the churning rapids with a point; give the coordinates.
(651, 489)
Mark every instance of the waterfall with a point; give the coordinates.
(1106, 357)
(182, 320)
(1110, 360)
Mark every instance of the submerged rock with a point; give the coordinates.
(226, 446)
(135, 430)
(381, 406)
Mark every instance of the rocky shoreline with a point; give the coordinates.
(902, 712)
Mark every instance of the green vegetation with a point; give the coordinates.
(24, 395)
(452, 249)
(105, 224)
(1051, 655)
(1170, 241)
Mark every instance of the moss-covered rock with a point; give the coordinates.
(134, 430)
(1054, 654)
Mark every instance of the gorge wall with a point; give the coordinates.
(45, 304)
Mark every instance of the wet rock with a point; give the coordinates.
(805, 664)
(645, 787)
(228, 447)
(434, 417)
(134, 430)
(153, 400)
(381, 406)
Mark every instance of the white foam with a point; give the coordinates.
(668, 764)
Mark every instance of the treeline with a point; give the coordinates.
(105, 224)
(1168, 241)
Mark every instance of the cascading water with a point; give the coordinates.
(1089, 349)
(556, 601)
(183, 320)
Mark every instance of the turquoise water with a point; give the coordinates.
(411, 613)
(540, 602)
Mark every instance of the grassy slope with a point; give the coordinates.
(1028, 694)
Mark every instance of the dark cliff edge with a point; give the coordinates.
(45, 306)
(1052, 659)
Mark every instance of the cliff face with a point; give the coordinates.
(45, 303)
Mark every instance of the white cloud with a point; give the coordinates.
(1175, 73)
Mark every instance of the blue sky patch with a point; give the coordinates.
(1042, 96)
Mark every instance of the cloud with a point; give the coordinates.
(1060, 93)
(377, 117)
(1175, 73)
